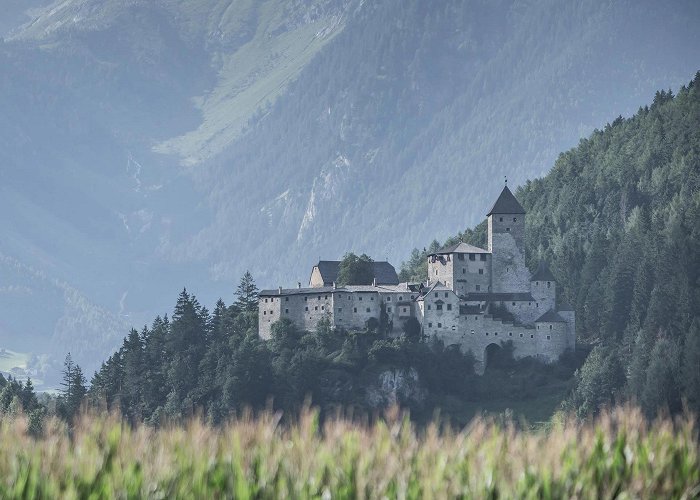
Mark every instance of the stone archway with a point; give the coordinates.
(492, 355)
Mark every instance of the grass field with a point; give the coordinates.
(619, 455)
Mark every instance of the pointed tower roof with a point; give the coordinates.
(506, 204)
(543, 273)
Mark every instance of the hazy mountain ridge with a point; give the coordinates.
(309, 128)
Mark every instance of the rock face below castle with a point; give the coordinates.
(474, 298)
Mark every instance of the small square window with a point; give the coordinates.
(449, 307)
(326, 298)
(405, 309)
(388, 309)
(388, 299)
(510, 334)
(548, 337)
(315, 308)
(428, 307)
(445, 294)
(495, 334)
(400, 298)
(340, 309)
(354, 309)
(439, 325)
(550, 327)
(487, 334)
(371, 298)
(264, 313)
(507, 230)
(481, 271)
(286, 311)
(323, 308)
(436, 294)
(460, 256)
(500, 219)
(359, 298)
(521, 334)
(515, 219)
(306, 308)
(286, 299)
(265, 301)
(532, 336)
(368, 309)
(438, 307)
(430, 325)
(472, 256)
(464, 271)
(306, 299)
(483, 257)
(478, 287)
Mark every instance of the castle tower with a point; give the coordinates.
(506, 242)
(543, 287)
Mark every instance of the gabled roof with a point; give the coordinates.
(384, 273)
(550, 316)
(460, 247)
(506, 204)
(543, 273)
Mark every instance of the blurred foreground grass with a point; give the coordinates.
(618, 455)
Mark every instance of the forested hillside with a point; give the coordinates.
(617, 218)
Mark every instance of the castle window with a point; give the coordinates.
(340, 309)
(323, 308)
(483, 257)
(388, 299)
(532, 336)
(476, 317)
(478, 287)
(510, 334)
(428, 307)
(405, 309)
(513, 303)
(487, 334)
(549, 284)
(265, 301)
(548, 337)
(521, 334)
(368, 309)
(550, 327)
(515, 219)
(438, 307)
(537, 304)
(359, 297)
(316, 308)
(371, 298)
(538, 327)
(464, 270)
(436, 294)
(445, 294)
(354, 309)
(439, 325)
(306, 299)
(326, 298)
(286, 311)
(500, 219)
(449, 307)
(507, 230)
(481, 271)
(264, 313)
(436, 273)
(306, 309)
(472, 256)
(286, 299)
(460, 256)
(400, 298)
(430, 325)
(412, 297)
(388, 309)
(319, 297)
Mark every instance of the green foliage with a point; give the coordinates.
(354, 270)
(618, 455)
(247, 293)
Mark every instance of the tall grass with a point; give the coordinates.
(618, 455)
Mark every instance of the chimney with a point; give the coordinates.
(334, 287)
(374, 282)
(280, 290)
(298, 284)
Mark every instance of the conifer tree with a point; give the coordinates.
(247, 293)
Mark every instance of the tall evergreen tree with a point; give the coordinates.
(247, 293)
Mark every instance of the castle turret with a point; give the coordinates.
(543, 287)
(506, 242)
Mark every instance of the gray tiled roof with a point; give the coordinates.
(506, 204)
(400, 288)
(460, 247)
(550, 316)
(499, 297)
(384, 273)
(543, 273)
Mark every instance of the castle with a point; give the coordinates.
(474, 298)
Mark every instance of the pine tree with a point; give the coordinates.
(247, 293)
